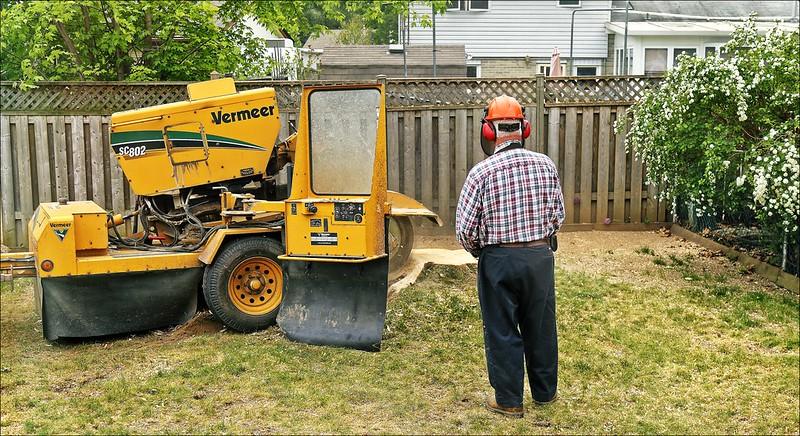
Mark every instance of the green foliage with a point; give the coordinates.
(165, 40)
(722, 133)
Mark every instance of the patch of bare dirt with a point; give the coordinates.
(621, 256)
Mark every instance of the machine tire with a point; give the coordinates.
(219, 282)
(400, 248)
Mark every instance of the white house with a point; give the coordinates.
(668, 28)
(508, 38)
(515, 38)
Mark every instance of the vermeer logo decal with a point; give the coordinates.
(60, 230)
(246, 114)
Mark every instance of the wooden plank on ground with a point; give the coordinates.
(620, 171)
(445, 165)
(409, 155)
(117, 176)
(426, 157)
(477, 151)
(568, 177)
(8, 222)
(587, 139)
(60, 157)
(23, 164)
(461, 165)
(553, 129)
(78, 157)
(96, 156)
(42, 159)
(393, 160)
(603, 163)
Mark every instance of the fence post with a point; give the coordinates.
(539, 144)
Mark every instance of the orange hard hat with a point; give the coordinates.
(504, 107)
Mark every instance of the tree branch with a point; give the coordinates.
(70, 46)
(86, 30)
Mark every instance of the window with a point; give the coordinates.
(569, 3)
(344, 127)
(479, 5)
(586, 71)
(619, 68)
(716, 50)
(679, 51)
(655, 60)
(472, 71)
(468, 5)
(545, 69)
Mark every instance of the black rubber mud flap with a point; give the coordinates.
(110, 304)
(337, 304)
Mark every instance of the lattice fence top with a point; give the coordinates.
(607, 89)
(108, 97)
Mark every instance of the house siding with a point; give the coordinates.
(520, 28)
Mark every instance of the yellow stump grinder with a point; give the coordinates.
(302, 232)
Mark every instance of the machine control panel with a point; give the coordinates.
(345, 211)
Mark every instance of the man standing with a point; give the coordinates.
(510, 206)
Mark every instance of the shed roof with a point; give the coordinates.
(374, 55)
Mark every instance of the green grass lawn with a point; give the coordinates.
(697, 356)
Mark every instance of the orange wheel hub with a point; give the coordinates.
(255, 285)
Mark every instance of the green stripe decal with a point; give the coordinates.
(155, 135)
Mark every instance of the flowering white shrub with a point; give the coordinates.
(722, 134)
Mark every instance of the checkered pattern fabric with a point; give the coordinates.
(513, 195)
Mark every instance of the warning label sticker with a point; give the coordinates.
(324, 238)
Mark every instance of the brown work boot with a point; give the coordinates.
(513, 412)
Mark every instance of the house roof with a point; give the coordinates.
(706, 8)
(378, 55)
(695, 28)
(329, 38)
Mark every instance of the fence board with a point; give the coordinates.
(23, 164)
(60, 156)
(620, 171)
(393, 151)
(96, 153)
(426, 157)
(42, 159)
(603, 139)
(117, 176)
(409, 155)
(652, 203)
(568, 178)
(587, 142)
(636, 190)
(444, 166)
(78, 157)
(9, 233)
(460, 149)
(553, 129)
(477, 151)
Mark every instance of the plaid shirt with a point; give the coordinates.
(512, 196)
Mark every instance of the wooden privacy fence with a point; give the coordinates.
(55, 142)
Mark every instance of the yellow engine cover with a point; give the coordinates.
(218, 135)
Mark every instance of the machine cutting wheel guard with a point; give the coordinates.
(303, 231)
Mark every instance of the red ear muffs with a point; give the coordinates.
(488, 131)
(526, 129)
